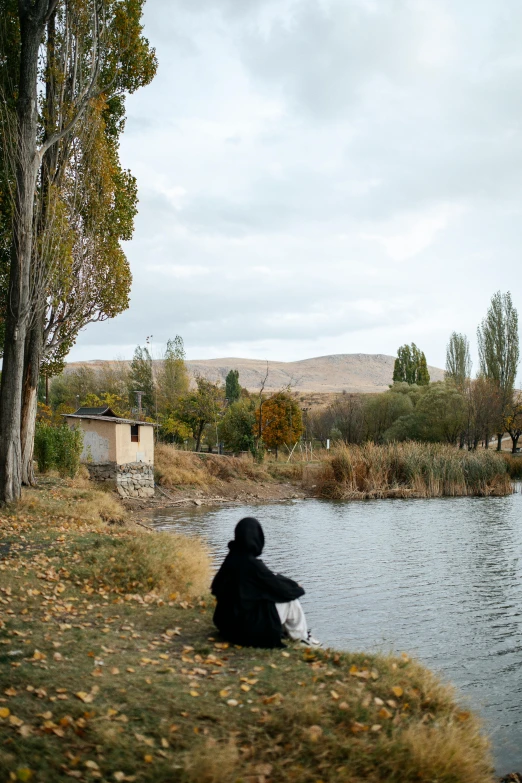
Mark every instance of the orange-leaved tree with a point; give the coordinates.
(279, 421)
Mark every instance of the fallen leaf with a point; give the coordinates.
(4, 712)
(232, 703)
(24, 774)
(385, 713)
(463, 716)
(375, 728)
(397, 691)
(314, 732)
(334, 695)
(85, 697)
(224, 693)
(15, 721)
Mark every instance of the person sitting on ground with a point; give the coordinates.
(255, 607)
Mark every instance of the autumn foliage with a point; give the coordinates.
(279, 421)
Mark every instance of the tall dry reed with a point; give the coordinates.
(419, 470)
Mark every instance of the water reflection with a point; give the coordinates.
(439, 578)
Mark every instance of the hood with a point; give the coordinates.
(248, 537)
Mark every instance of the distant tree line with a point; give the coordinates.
(202, 416)
(459, 410)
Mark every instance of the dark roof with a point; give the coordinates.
(103, 417)
(103, 411)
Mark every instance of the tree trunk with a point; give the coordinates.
(486, 441)
(198, 438)
(30, 400)
(499, 441)
(514, 439)
(18, 309)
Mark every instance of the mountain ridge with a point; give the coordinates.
(332, 373)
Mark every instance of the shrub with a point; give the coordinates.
(58, 447)
(44, 446)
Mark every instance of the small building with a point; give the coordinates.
(117, 449)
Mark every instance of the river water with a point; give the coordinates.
(439, 578)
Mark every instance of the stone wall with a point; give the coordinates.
(103, 471)
(134, 480)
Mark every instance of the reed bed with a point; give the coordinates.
(412, 470)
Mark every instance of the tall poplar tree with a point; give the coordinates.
(458, 360)
(232, 387)
(411, 366)
(70, 200)
(141, 379)
(499, 351)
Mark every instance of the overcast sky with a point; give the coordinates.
(322, 176)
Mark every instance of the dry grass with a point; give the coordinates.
(71, 499)
(176, 468)
(412, 470)
(212, 762)
(134, 561)
(514, 465)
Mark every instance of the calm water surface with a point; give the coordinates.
(439, 578)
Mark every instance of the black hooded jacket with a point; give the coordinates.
(247, 591)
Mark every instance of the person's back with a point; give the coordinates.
(250, 597)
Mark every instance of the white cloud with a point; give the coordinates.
(320, 176)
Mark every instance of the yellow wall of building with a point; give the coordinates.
(106, 441)
(126, 451)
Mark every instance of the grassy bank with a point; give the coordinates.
(111, 670)
(419, 470)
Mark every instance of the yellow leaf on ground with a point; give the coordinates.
(224, 693)
(232, 703)
(148, 758)
(314, 732)
(245, 688)
(85, 697)
(194, 693)
(15, 721)
(397, 691)
(385, 713)
(334, 695)
(4, 712)
(24, 774)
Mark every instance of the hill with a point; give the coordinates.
(350, 372)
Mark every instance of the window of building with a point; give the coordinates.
(135, 433)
